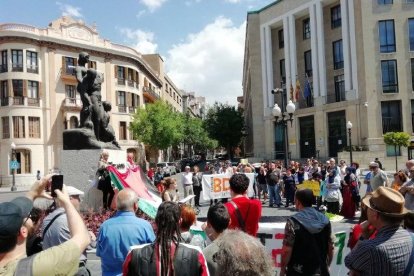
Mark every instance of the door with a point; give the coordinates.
(307, 137)
(336, 132)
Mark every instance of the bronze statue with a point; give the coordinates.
(94, 130)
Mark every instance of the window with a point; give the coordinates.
(386, 36)
(18, 127)
(3, 61)
(135, 100)
(24, 158)
(411, 33)
(121, 98)
(338, 57)
(306, 29)
(282, 70)
(31, 62)
(33, 89)
(121, 72)
(384, 2)
(339, 88)
(281, 39)
(70, 66)
(122, 131)
(336, 19)
(70, 91)
(5, 127)
(412, 74)
(308, 63)
(92, 64)
(17, 88)
(34, 127)
(391, 116)
(17, 60)
(389, 76)
(4, 89)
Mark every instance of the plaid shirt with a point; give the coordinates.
(387, 254)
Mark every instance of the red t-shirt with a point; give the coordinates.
(251, 211)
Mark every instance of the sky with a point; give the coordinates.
(200, 41)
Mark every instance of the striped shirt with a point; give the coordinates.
(387, 254)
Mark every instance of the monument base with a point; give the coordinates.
(79, 169)
(84, 138)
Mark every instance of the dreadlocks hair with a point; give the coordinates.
(167, 221)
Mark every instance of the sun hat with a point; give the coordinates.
(386, 201)
(373, 164)
(12, 215)
(72, 191)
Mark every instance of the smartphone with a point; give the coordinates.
(57, 183)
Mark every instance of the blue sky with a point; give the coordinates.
(201, 41)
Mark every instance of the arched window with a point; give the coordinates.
(73, 122)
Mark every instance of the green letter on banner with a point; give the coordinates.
(340, 243)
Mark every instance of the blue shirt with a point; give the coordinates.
(116, 236)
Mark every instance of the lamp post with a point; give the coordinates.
(349, 127)
(13, 152)
(283, 116)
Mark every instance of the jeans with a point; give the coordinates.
(274, 195)
(188, 190)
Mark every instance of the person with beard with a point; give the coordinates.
(16, 225)
(308, 245)
(55, 228)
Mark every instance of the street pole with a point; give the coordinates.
(349, 127)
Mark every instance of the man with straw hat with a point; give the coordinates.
(391, 251)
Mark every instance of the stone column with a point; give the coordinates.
(321, 48)
(345, 45)
(286, 35)
(292, 46)
(315, 56)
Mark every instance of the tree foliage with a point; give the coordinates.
(397, 139)
(224, 123)
(158, 125)
(195, 135)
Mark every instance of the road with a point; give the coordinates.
(268, 215)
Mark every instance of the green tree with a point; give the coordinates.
(195, 135)
(224, 123)
(396, 139)
(157, 125)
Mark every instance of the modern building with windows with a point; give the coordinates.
(339, 61)
(38, 96)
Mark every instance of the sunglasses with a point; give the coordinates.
(30, 216)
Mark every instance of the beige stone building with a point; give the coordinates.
(38, 91)
(358, 59)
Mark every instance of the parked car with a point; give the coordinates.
(165, 168)
(172, 167)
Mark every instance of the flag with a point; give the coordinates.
(291, 92)
(308, 89)
(297, 90)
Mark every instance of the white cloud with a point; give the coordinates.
(152, 5)
(141, 40)
(210, 62)
(68, 10)
(233, 1)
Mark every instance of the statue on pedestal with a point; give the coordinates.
(94, 131)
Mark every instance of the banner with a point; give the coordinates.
(311, 184)
(217, 186)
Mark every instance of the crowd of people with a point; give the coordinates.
(382, 243)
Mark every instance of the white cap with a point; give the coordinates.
(187, 167)
(72, 191)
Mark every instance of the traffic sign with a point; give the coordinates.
(14, 164)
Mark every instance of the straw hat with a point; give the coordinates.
(386, 201)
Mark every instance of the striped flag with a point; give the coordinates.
(297, 91)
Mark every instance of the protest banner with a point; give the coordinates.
(217, 186)
(310, 184)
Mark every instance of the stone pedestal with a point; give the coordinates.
(79, 169)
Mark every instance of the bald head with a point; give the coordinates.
(126, 200)
(409, 164)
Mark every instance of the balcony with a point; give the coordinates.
(121, 81)
(68, 75)
(131, 83)
(33, 69)
(74, 104)
(149, 94)
(33, 101)
(122, 108)
(3, 68)
(18, 100)
(4, 101)
(17, 67)
(132, 109)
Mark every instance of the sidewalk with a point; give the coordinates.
(8, 189)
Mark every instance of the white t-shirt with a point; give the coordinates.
(187, 178)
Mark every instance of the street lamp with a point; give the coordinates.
(283, 116)
(349, 127)
(13, 151)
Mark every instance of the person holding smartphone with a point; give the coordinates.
(16, 224)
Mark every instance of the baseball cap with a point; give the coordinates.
(72, 191)
(12, 215)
